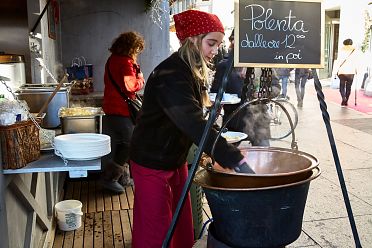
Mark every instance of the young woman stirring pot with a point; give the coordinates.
(170, 122)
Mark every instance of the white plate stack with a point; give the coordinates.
(82, 146)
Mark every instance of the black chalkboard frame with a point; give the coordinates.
(252, 61)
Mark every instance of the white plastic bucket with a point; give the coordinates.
(68, 214)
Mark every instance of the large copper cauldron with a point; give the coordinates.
(273, 166)
(265, 209)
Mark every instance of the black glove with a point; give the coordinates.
(244, 168)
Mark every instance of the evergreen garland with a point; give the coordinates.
(149, 4)
(367, 32)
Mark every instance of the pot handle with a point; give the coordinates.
(82, 59)
(245, 104)
(293, 142)
(76, 62)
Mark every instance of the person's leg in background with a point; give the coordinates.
(302, 88)
(364, 80)
(348, 84)
(284, 80)
(120, 130)
(343, 80)
(121, 158)
(298, 91)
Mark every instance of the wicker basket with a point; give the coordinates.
(20, 144)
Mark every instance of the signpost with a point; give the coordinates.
(279, 33)
(287, 34)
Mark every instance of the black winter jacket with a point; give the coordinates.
(171, 120)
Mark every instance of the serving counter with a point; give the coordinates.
(53, 163)
(28, 196)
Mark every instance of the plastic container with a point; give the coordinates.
(69, 214)
(12, 67)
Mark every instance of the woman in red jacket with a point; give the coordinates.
(121, 69)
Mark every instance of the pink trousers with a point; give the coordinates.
(155, 200)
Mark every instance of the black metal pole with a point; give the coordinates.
(199, 152)
(326, 119)
(40, 16)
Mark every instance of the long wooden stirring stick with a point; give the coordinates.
(51, 96)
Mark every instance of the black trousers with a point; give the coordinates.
(346, 80)
(120, 130)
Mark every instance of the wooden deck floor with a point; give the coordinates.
(107, 220)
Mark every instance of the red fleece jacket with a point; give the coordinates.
(128, 76)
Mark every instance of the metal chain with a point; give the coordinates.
(265, 88)
(269, 82)
(40, 60)
(249, 88)
(32, 118)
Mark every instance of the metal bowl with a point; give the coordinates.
(273, 162)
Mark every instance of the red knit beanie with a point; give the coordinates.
(194, 22)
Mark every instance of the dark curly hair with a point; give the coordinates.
(128, 44)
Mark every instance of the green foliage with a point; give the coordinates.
(367, 32)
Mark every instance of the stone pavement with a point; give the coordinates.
(326, 222)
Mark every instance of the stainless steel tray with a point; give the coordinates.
(81, 124)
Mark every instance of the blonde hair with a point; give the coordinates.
(192, 54)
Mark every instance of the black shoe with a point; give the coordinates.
(299, 104)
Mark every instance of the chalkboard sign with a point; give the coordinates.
(279, 33)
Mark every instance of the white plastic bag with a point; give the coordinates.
(335, 82)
